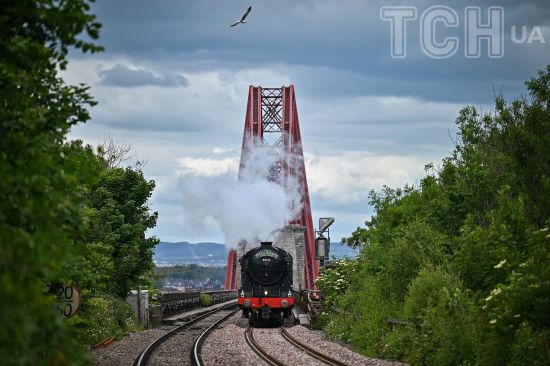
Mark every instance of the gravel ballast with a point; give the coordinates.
(126, 350)
(176, 350)
(317, 341)
(271, 340)
(226, 346)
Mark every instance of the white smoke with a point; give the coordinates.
(251, 208)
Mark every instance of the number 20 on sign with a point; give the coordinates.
(68, 300)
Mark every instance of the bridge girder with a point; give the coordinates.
(272, 121)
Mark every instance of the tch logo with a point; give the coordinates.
(439, 36)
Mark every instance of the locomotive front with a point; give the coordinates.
(266, 293)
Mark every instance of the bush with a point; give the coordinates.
(464, 257)
(438, 311)
(516, 316)
(206, 300)
(40, 199)
(335, 280)
(103, 317)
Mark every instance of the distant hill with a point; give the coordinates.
(202, 254)
(340, 250)
(213, 254)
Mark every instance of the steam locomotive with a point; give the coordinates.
(266, 296)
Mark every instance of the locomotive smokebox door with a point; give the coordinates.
(266, 279)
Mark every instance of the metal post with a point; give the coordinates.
(139, 303)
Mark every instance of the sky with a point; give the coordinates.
(174, 77)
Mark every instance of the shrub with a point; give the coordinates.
(206, 300)
(439, 314)
(464, 257)
(103, 317)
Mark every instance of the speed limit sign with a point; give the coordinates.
(68, 300)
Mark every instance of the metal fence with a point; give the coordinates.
(178, 301)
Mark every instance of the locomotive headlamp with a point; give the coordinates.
(284, 304)
(265, 293)
(246, 303)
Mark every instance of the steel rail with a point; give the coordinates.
(145, 355)
(196, 358)
(266, 357)
(314, 353)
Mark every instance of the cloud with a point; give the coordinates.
(349, 38)
(125, 76)
(366, 119)
(222, 151)
(205, 167)
(348, 177)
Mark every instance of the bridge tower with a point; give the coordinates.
(272, 120)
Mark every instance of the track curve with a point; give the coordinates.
(266, 357)
(144, 357)
(196, 358)
(312, 352)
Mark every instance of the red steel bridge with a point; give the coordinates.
(272, 120)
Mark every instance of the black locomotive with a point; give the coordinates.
(266, 295)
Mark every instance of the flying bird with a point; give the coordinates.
(242, 21)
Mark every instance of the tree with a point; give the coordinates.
(463, 258)
(117, 218)
(113, 254)
(39, 196)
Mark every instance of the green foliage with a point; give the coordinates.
(115, 251)
(103, 317)
(440, 329)
(206, 299)
(39, 193)
(336, 279)
(65, 215)
(456, 270)
(516, 309)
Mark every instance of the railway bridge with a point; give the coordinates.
(272, 121)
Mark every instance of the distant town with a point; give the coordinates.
(184, 266)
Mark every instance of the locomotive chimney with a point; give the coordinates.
(266, 243)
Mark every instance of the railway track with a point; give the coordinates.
(266, 357)
(146, 355)
(273, 361)
(196, 358)
(312, 352)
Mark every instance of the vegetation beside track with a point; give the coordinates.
(69, 214)
(455, 270)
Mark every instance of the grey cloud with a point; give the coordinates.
(345, 36)
(121, 75)
(330, 50)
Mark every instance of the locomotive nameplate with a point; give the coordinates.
(266, 253)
